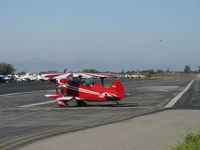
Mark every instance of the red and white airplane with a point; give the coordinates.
(79, 87)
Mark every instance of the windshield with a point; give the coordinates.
(83, 81)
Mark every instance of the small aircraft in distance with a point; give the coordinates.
(80, 87)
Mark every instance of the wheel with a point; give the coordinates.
(81, 103)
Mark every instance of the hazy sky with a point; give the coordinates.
(110, 35)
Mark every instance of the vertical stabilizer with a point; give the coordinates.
(119, 89)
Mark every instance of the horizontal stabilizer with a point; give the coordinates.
(66, 98)
(52, 96)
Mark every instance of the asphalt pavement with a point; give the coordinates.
(157, 131)
(23, 124)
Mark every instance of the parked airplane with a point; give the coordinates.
(4, 78)
(30, 77)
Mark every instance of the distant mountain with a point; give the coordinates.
(40, 65)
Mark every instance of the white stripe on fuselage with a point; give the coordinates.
(80, 89)
(87, 91)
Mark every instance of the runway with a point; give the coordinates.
(24, 122)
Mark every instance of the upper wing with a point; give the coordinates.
(84, 75)
(96, 75)
(53, 75)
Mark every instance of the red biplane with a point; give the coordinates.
(80, 87)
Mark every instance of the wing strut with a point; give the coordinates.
(102, 80)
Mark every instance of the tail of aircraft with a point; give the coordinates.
(119, 89)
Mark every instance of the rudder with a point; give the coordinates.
(119, 87)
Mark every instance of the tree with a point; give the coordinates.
(147, 73)
(21, 73)
(187, 69)
(168, 70)
(160, 71)
(50, 71)
(6, 69)
(90, 71)
(122, 71)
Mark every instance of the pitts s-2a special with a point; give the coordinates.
(79, 87)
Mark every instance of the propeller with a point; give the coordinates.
(65, 70)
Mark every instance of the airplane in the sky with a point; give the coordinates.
(79, 87)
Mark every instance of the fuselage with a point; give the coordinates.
(88, 91)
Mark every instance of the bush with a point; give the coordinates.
(191, 142)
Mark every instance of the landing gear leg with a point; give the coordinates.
(118, 104)
(81, 103)
(62, 103)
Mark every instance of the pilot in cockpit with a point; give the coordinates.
(83, 81)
